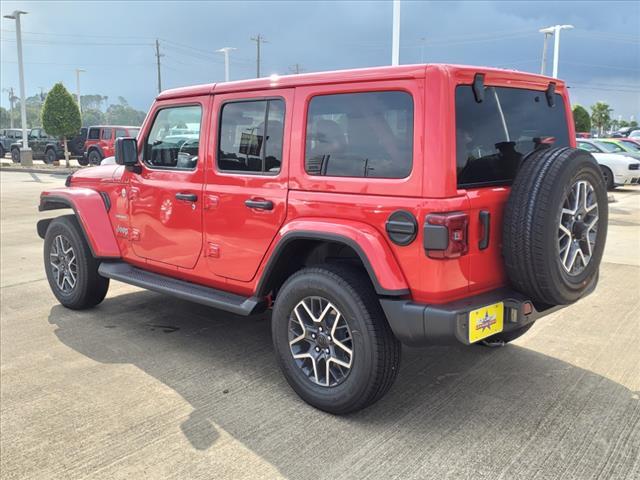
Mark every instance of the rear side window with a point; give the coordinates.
(106, 133)
(587, 146)
(121, 132)
(174, 139)
(493, 136)
(251, 135)
(366, 134)
(94, 134)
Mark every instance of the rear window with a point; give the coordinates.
(492, 137)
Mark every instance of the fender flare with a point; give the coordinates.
(91, 210)
(374, 252)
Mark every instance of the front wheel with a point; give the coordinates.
(15, 155)
(607, 174)
(71, 269)
(332, 340)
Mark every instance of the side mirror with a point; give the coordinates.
(126, 151)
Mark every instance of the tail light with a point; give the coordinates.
(445, 235)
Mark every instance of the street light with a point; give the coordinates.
(555, 31)
(25, 153)
(395, 37)
(226, 51)
(78, 72)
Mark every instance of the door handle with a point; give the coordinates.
(259, 204)
(485, 221)
(188, 197)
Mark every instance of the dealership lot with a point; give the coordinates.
(146, 386)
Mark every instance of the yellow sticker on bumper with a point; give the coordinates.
(485, 321)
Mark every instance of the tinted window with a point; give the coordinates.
(251, 135)
(610, 147)
(174, 139)
(94, 134)
(133, 132)
(106, 134)
(360, 135)
(121, 132)
(587, 146)
(493, 136)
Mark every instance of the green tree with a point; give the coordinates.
(5, 120)
(92, 116)
(623, 123)
(601, 116)
(633, 124)
(124, 115)
(61, 116)
(581, 119)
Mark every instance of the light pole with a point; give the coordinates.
(555, 31)
(226, 51)
(395, 39)
(25, 153)
(78, 72)
(12, 99)
(547, 33)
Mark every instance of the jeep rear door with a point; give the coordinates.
(166, 195)
(493, 136)
(245, 195)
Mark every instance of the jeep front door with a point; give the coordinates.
(165, 195)
(245, 196)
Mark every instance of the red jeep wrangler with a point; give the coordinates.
(101, 140)
(367, 208)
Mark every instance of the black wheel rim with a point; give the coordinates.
(320, 341)
(63, 264)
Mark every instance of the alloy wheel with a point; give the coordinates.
(320, 341)
(63, 263)
(578, 227)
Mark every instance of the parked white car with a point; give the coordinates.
(618, 169)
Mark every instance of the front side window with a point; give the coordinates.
(493, 136)
(106, 134)
(174, 139)
(251, 136)
(367, 134)
(94, 134)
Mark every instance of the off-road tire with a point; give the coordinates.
(15, 155)
(376, 351)
(50, 156)
(94, 157)
(531, 225)
(83, 161)
(2, 152)
(90, 288)
(608, 177)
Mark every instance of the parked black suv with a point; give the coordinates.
(48, 148)
(9, 136)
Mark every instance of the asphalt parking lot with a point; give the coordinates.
(145, 386)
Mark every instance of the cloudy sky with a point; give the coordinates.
(113, 42)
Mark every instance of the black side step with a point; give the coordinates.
(211, 297)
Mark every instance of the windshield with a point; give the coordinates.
(493, 136)
(610, 147)
(631, 146)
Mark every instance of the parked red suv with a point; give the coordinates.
(416, 204)
(100, 142)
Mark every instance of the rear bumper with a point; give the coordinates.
(418, 324)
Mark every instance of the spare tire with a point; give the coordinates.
(555, 225)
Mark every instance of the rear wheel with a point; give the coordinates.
(2, 152)
(94, 157)
(608, 177)
(71, 269)
(83, 161)
(50, 156)
(332, 340)
(15, 155)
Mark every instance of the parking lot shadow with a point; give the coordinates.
(453, 411)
